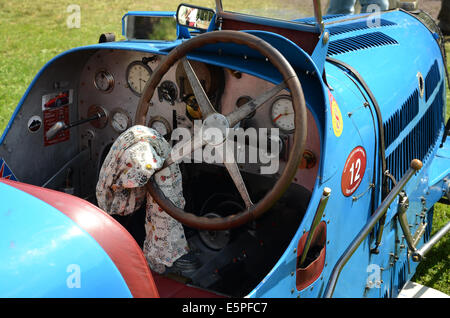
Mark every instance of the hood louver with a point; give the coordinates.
(358, 26)
(360, 42)
(420, 140)
(402, 117)
(432, 79)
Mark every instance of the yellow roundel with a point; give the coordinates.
(336, 117)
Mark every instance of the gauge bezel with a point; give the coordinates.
(123, 112)
(101, 122)
(173, 86)
(127, 74)
(161, 119)
(109, 77)
(291, 131)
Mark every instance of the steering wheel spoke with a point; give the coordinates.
(235, 174)
(184, 149)
(245, 110)
(200, 94)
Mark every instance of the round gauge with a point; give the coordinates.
(138, 75)
(161, 125)
(103, 81)
(120, 121)
(168, 91)
(282, 113)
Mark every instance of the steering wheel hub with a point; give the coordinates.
(215, 129)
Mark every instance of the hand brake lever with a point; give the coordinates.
(61, 126)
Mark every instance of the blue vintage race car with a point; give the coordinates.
(349, 112)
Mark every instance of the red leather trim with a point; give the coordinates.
(109, 234)
(306, 276)
(306, 40)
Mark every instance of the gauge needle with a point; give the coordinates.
(281, 115)
(140, 83)
(278, 117)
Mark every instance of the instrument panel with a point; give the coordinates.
(113, 81)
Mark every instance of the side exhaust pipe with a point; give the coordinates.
(419, 255)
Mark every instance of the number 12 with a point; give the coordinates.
(356, 165)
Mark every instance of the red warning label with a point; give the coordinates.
(354, 169)
(51, 117)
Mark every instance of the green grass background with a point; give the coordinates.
(34, 31)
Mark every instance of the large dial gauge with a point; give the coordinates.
(103, 81)
(138, 75)
(282, 114)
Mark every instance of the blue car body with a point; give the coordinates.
(400, 60)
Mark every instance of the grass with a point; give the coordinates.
(34, 31)
(434, 271)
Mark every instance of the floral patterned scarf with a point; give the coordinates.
(132, 160)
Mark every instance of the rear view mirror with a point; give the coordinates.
(194, 17)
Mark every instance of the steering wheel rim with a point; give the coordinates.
(291, 82)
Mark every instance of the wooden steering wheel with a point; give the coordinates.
(217, 120)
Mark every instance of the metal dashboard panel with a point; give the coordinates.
(27, 162)
(116, 62)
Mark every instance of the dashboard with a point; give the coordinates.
(112, 82)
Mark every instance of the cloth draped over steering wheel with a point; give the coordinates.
(132, 160)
